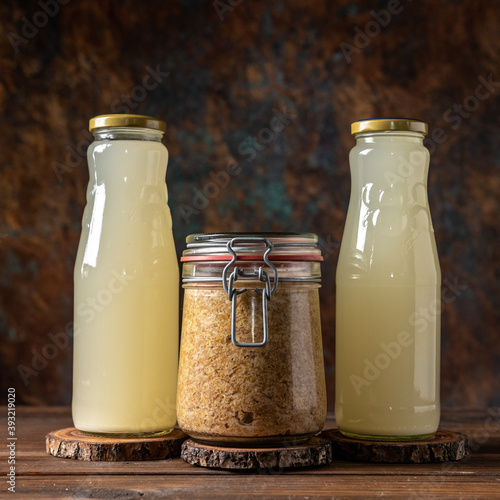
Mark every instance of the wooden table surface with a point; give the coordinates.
(40, 476)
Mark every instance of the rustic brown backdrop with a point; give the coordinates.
(217, 72)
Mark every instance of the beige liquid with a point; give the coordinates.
(386, 361)
(126, 294)
(388, 296)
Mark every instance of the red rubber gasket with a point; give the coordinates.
(286, 258)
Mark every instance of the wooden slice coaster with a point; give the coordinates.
(316, 451)
(442, 447)
(71, 443)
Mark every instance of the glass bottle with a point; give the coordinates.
(126, 282)
(388, 289)
(251, 360)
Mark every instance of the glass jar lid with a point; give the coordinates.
(124, 120)
(389, 125)
(204, 247)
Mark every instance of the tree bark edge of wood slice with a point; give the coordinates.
(315, 452)
(73, 444)
(444, 446)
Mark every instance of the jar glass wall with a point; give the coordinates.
(252, 395)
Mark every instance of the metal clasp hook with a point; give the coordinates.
(261, 275)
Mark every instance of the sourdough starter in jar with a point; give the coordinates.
(251, 393)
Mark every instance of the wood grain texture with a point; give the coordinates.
(71, 443)
(250, 486)
(444, 446)
(316, 451)
(42, 476)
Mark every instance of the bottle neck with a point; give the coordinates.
(389, 159)
(127, 134)
(389, 136)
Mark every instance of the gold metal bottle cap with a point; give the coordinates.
(119, 120)
(389, 124)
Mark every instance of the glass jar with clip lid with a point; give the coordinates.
(251, 360)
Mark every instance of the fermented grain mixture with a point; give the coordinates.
(270, 393)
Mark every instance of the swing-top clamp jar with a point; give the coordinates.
(251, 363)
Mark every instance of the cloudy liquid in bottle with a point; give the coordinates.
(388, 294)
(126, 294)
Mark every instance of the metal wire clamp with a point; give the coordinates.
(261, 275)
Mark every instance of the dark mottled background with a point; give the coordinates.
(218, 73)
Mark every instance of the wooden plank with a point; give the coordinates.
(243, 485)
(39, 463)
(34, 423)
(42, 476)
